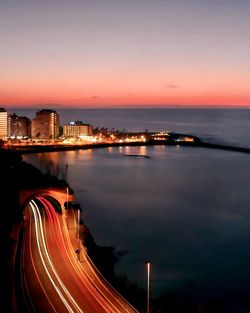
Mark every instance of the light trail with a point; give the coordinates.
(36, 273)
(62, 283)
(36, 213)
(71, 253)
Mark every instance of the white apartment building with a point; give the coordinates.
(3, 124)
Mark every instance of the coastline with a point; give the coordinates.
(56, 148)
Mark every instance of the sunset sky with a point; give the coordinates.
(97, 53)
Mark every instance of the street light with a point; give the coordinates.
(78, 233)
(66, 172)
(148, 285)
(67, 190)
(67, 206)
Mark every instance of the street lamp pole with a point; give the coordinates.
(148, 286)
(78, 232)
(78, 224)
(66, 172)
(66, 207)
(67, 190)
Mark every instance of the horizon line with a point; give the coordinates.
(142, 106)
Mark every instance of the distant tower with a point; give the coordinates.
(3, 124)
(18, 126)
(45, 125)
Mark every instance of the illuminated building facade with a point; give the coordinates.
(18, 126)
(77, 130)
(3, 124)
(45, 126)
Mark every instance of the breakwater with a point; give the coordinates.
(223, 147)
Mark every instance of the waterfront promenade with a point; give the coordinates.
(27, 149)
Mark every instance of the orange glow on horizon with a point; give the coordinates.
(147, 86)
(142, 89)
(127, 92)
(127, 101)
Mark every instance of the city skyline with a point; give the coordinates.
(124, 53)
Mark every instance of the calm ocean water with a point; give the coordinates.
(187, 210)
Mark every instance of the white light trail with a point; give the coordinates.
(38, 220)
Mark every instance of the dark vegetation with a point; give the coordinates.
(10, 216)
(15, 176)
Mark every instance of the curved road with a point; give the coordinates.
(53, 278)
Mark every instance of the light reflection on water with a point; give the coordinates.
(185, 209)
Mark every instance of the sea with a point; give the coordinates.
(186, 210)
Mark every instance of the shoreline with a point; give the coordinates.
(58, 148)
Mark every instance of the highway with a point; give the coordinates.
(53, 277)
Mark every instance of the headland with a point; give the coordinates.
(127, 139)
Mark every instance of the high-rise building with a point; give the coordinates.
(45, 125)
(18, 126)
(77, 129)
(3, 124)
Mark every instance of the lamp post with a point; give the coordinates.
(67, 192)
(78, 224)
(78, 233)
(66, 172)
(148, 285)
(66, 207)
